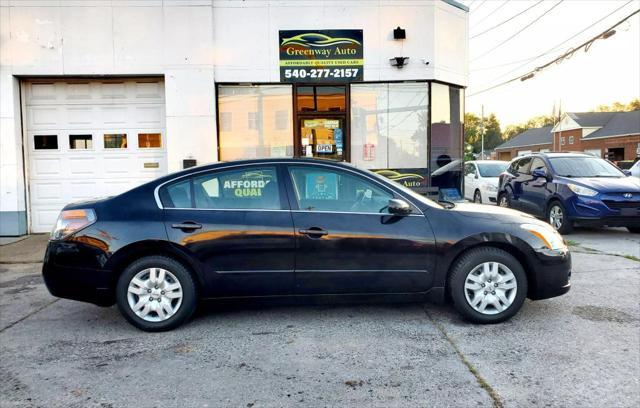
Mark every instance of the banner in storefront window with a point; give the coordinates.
(321, 56)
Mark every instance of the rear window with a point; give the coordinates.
(248, 188)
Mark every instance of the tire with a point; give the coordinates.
(511, 285)
(477, 197)
(634, 230)
(504, 200)
(177, 293)
(564, 225)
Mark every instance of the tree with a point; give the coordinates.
(620, 107)
(473, 132)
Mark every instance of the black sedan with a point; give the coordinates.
(296, 227)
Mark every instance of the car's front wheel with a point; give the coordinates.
(557, 217)
(156, 293)
(503, 200)
(487, 285)
(477, 197)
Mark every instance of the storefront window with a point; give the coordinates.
(447, 110)
(249, 126)
(389, 125)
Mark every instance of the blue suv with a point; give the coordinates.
(571, 188)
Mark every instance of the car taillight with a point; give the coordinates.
(70, 221)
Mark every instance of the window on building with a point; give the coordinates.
(225, 121)
(45, 142)
(570, 139)
(80, 142)
(149, 140)
(447, 115)
(252, 120)
(562, 141)
(115, 141)
(322, 189)
(330, 98)
(236, 139)
(306, 99)
(389, 125)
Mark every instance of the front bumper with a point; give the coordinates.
(612, 210)
(549, 276)
(74, 270)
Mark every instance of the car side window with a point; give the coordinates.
(322, 189)
(248, 188)
(469, 170)
(538, 164)
(523, 165)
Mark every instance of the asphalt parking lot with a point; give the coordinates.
(581, 350)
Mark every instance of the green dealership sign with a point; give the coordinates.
(321, 56)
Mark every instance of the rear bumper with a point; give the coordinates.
(550, 276)
(65, 278)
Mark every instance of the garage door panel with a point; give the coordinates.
(83, 168)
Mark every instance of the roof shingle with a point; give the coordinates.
(529, 137)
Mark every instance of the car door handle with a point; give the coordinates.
(314, 232)
(187, 226)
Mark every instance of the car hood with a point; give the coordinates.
(606, 184)
(490, 180)
(492, 211)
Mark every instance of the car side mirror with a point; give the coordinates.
(477, 176)
(398, 207)
(539, 173)
(626, 172)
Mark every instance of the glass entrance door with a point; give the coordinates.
(322, 127)
(322, 137)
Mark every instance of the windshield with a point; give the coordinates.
(584, 167)
(491, 169)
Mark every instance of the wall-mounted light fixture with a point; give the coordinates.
(399, 33)
(399, 62)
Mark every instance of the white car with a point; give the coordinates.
(635, 169)
(481, 180)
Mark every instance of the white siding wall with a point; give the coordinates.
(195, 43)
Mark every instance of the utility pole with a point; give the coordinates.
(482, 134)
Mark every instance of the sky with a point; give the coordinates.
(608, 72)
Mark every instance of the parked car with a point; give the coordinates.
(296, 227)
(571, 188)
(635, 169)
(481, 178)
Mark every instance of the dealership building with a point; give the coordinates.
(100, 96)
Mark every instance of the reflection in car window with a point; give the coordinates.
(523, 165)
(323, 189)
(538, 164)
(249, 188)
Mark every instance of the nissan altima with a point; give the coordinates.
(297, 228)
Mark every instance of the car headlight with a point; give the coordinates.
(490, 187)
(584, 191)
(70, 221)
(549, 237)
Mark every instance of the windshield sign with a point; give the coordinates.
(584, 167)
(491, 169)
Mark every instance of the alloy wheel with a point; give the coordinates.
(477, 197)
(490, 288)
(556, 217)
(154, 294)
(503, 201)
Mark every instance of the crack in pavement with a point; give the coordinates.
(10, 325)
(493, 394)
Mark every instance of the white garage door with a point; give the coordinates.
(90, 138)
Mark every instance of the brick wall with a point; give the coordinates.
(629, 143)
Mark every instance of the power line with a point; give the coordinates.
(550, 50)
(506, 21)
(490, 14)
(479, 5)
(519, 31)
(586, 45)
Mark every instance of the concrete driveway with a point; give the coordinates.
(581, 349)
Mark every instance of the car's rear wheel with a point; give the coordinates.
(487, 285)
(156, 293)
(477, 197)
(504, 201)
(635, 230)
(557, 217)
